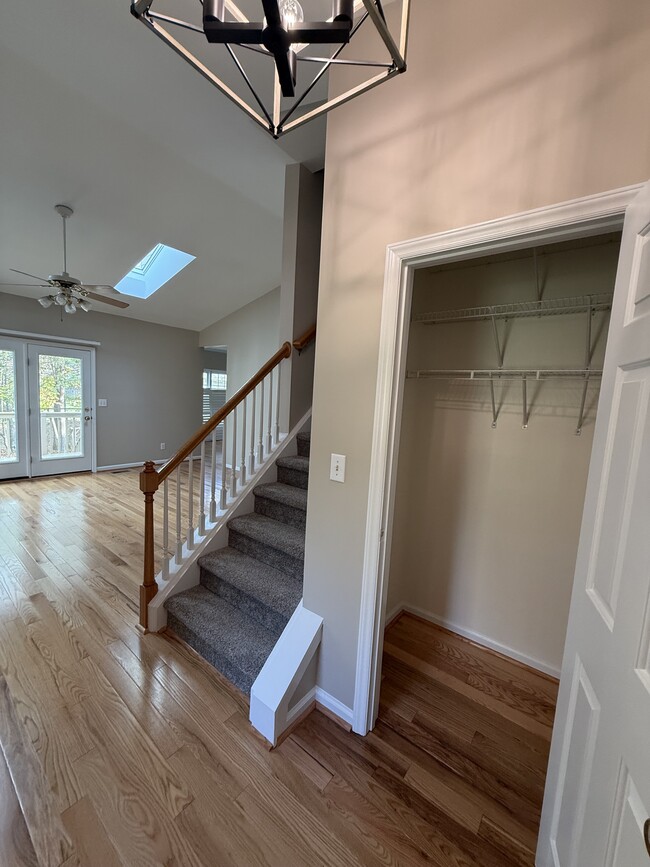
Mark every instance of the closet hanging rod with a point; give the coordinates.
(549, 307)
(499, 373)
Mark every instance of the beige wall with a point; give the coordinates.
(505, 107)
(250, 335)
(487, 521)
(149, 374)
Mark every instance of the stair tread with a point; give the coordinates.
(294, 462)
(273, 588)
(244, 642)
(274, 534)
(305, 436)
(288, 495)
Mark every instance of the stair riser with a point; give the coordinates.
(256, 610)
(303, 447)
(293, 477)
(280, 512)
(218, 660)
(271, 556)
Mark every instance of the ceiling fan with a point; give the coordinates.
(69, 292)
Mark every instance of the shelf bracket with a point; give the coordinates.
(524, 397)
(494, 406)
(581, 414)
(497, 342)
(588, 349)
(539, 289)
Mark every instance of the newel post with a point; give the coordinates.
(149, 588)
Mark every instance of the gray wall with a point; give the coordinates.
(486, 522)
(547, 110)
(303, 210)
(251, 335)
(150, 375)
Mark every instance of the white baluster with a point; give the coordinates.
(251, 457)
(269, 440)
(233, 472)
(260, 444)
(179, 537)
(276, 432)
(190, 507)
(213, 479)
(224, 469)
(242, 462)
(165, 540)
(202, 491)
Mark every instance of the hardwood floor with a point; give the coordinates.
(127, 750)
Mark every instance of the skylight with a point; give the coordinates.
(153, 271)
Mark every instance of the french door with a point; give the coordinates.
(46, 413)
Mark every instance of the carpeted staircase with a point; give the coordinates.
(250, 589)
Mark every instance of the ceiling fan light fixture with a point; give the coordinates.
(61, 299)
(46, 301)
(85, 305)
(70, 306)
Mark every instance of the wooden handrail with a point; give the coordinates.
(151, 478)
(306, 339)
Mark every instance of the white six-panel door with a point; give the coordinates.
(598, 787)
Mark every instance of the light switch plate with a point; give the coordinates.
(102, 401)
(337, 468)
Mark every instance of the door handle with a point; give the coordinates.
(88, 418)
(646, 835)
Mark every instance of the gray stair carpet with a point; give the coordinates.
(250, 589)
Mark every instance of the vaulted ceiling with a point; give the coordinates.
(98, 114)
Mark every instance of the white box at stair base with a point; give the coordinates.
(282, 672)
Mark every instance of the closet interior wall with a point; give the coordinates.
(487, 520)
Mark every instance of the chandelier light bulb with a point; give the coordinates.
(291, 13)
(45, 301)
(70, 307)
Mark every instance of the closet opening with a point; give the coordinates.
(502, 376)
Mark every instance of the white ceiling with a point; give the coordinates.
(98, 114)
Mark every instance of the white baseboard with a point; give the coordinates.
(109, 467)
(332, 704)
(301, 706)
(477, 637)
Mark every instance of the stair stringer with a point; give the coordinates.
(282, 673)
(188, 573)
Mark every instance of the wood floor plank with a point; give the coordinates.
(92, 845)
(50, 841)
(16, 848)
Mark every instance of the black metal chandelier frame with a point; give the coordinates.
(224, 23)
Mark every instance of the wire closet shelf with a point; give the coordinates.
(549, 307)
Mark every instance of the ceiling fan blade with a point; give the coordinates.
(104, 299)
(33, 285)
(92, 287)
(25, 274)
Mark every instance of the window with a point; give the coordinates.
(214, 394)
(153, 271)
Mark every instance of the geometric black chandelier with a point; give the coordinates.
(280, 60)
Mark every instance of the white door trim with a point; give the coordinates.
(591, 215)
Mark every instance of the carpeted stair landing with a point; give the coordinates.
(250, 589)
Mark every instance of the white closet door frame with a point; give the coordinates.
(593, 215)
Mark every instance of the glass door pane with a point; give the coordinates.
(61, 415)
(9, 450)
(60, 407)
(14, 452)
